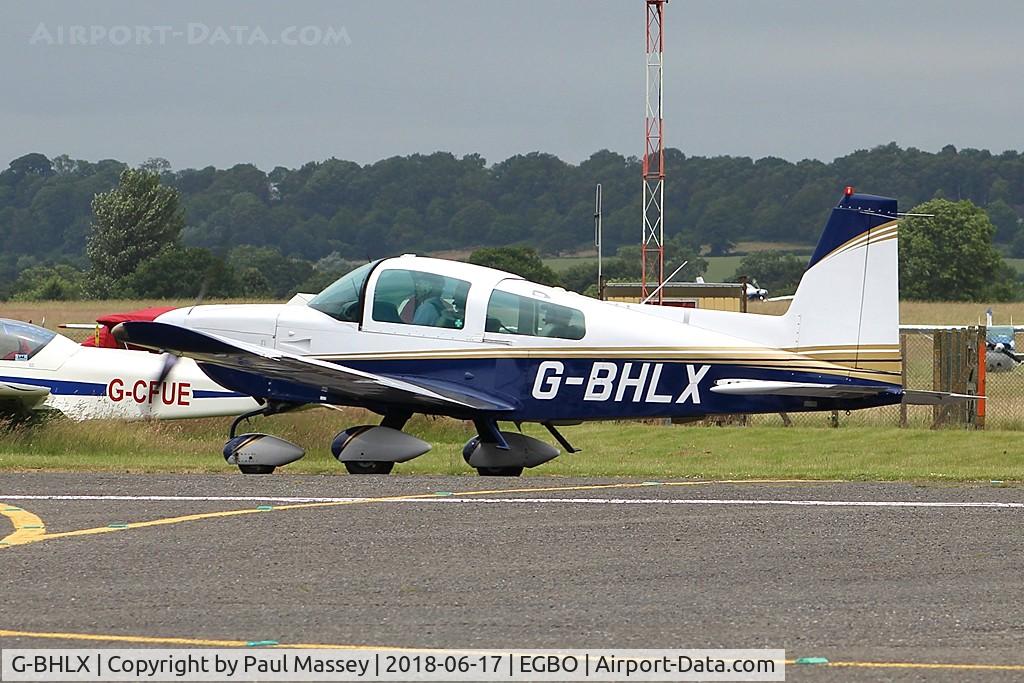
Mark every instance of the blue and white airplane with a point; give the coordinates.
(411, 335)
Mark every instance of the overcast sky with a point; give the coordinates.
(795, 79)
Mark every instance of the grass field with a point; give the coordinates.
(929, 312)
(1015, 263)
(720, 268)
(911, 312)
(609, 449)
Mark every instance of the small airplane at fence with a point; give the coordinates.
(409, 335)
(1000, 342)
(41, 370)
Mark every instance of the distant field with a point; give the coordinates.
(911, 312)
(60, 312)
(720, 268)
(928, 312)
(1015, 263)
(560, 264)
(788, 247)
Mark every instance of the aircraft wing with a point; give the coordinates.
(317, 374)
(24, 396)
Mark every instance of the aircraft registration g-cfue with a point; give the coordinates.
(41, 370)
(411, 335)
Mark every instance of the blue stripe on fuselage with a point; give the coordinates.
(572, 389)
(60, 387)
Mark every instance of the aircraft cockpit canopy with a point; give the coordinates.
(342, 300)
(21, 341)
(403, 294)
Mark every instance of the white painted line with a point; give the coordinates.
(720, 501)
(457, 498)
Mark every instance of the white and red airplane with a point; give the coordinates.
(43, 370)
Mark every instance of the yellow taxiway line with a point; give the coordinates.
(27, 526)
(209, 642)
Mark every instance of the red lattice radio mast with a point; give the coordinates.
(652, 247)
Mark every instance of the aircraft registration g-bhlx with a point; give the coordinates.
(411, 335)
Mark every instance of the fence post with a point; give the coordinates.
(903, 380)
(982, 376)
(937, 344)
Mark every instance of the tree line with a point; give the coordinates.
(252, 231)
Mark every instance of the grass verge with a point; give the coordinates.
(624, 449)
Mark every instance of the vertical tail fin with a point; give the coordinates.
(846, 308)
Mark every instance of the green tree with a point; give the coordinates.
(949, 256)
(60, 282)
(33, 163)
(625, 267)
(181, 273)
(719, 226)
(132, 223)
(280, 274)
(1005, 220)
(777, 272)
(523, 261)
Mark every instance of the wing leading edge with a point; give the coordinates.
(310, 372)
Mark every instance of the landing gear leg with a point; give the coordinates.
(487, 431)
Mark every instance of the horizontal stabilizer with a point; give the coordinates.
(918, 397)
(757, 387)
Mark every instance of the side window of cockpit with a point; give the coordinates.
(514, 314)
(342, 300)
(410, 297)
(19, 341)
(561, 322)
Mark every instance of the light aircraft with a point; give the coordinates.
(755, 292)
(409, 334)
(41, 370)
(1000, 342)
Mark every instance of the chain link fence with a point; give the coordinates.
(1003, 409)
